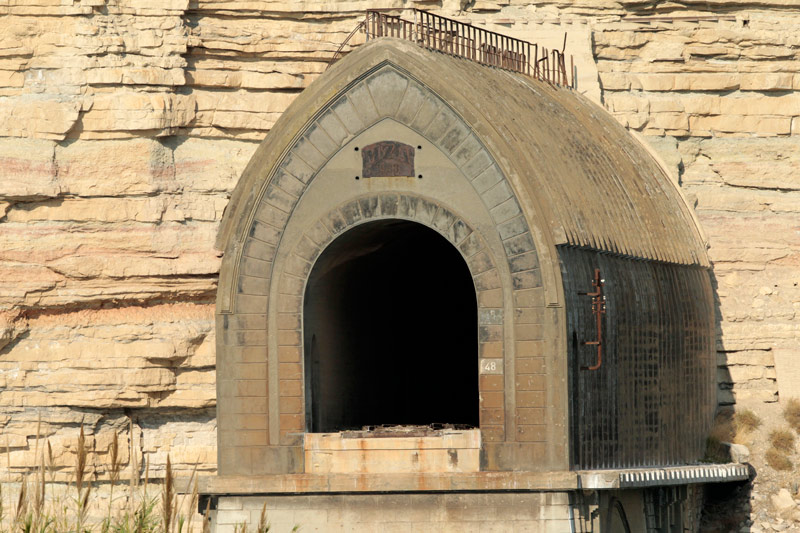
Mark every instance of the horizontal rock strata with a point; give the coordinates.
(125, 124)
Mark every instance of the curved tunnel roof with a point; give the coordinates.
(588, 181)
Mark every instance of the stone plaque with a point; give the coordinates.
(387, 159)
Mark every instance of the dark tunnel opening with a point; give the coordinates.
(390, 331)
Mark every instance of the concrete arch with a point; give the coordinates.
(250, 362)
(398, 206)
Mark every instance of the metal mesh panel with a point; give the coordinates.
(651, 401)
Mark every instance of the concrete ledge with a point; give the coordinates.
(469, 482)
(437, 482)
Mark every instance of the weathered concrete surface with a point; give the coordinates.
(446, 451)
(125, 126)
(533, 512)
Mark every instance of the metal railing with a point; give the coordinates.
(465, 40)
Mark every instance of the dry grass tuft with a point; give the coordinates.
(778, 460)
(723, 429)
(792, 413)
(32, 512)
(782, 440)
(263, 525)
(746, 421)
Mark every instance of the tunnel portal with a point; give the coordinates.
(390, 331)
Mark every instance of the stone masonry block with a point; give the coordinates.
(290, 371)
(491, 383)
(443, 220)
(488, 280)
(513, 227)
(334, 128)
(527, 279)
(230, 503)
(387, 88)
(490, 350)
(259, 250)
(412, 100)
(288, 183)
(531, 382)
(270, 215)
(479, 162)
(479, 263)
(347, 115)
(292, 285)
(291, 405)
(490, 316)
(490, 333)
(530, 416)
(443, 122)
(519, 244)
(471, 245)
(366, 110)
(298, 168)
(530, 348)
(369, 206)
(308, 153)
(528, 298)
(289, 387)
(466, 150)
(528, 332)
(506, 210)
(289, 354)
(453, 138)
(388, 204)
(458, 232)
(497, 195)
(265, 232)
(249, 266)
(530, 399)
(524, 262)
(487, 179)
(426, 113)
(491, 400)
(251, 285)
(490, 298)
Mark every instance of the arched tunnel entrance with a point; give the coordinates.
(390, 331)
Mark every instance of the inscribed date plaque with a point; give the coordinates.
(387, 159)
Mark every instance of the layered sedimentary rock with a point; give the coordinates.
(125, 124)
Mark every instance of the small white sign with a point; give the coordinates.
(491, 366)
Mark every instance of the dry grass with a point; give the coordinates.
(722, 431)
(746, 421)
(778, 460)
(792, 413)
(35, 513)
(782, 440)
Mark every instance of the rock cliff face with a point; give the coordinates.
(124, 125)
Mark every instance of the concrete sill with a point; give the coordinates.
(471, 481)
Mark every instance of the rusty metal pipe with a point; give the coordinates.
(598, 310)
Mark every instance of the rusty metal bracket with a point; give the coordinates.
(598, 310)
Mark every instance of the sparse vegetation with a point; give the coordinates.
(722, 431)
(778, 460)
(144, 509)
(716, 451)
(792, 413)
(34, 512)
(746, 421)
(782, 440)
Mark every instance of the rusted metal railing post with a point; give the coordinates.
(465, 40)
